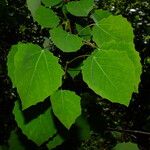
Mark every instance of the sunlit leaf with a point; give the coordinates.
(112, 28)
(110, 74)
(66, 106)
(133, 55)
(37, 74)
(10, 63)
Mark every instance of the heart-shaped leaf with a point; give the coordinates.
(110, 74)
(66, 106)
(37, 74)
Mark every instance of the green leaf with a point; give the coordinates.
(33, 5)
(133, 55)
(65, 41)
(83, 130)
(73, 72)
(100, 14)
(80, 8)
(50, 3)
(111, 28)
(126, 146)
(110, 74)
(10, 63)
(3, 147)
(37, 74)
(39, 129)
(46, 17)
(66, 106)
(84, 32)
(14, 142)
(57, 140)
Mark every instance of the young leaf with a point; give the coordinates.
(65, 41)
(39, 129)
(74, 71)
(84, 32)
(33, 5)
(10, 63)
(37, 74)
(99, 14)
(57, 140)
(126, 146)
(132, 54)
(66, 106)
(80, 8)
(110, 74)
(14, 142)
(46, 17)
(111, 28)
(50, 3)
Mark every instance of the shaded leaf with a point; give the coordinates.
(126, 146)
(80, 8)
(14, 142)
(74, 71)
(66, 106)
(83, 130)
(50, 3)
(46, 17)
(84, 32)
(99, 14)
(39, 129)
(110, 74)
(33, 5)
(57, 140)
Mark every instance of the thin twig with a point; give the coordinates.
(130, 131)
(90, 44)
(69, 62)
